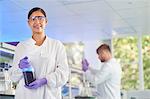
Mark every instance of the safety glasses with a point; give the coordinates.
(40, 18)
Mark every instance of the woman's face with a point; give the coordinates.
(37, 22)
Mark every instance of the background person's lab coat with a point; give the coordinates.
(107, 80)
(48, 60)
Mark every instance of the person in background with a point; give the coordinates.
(46, 55)
(108, 78)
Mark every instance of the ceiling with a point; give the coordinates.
(76, 20)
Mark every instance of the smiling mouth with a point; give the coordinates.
(37, 27)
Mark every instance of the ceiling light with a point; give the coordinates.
(67, 2)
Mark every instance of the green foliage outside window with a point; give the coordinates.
(126, 51)
(146, 60)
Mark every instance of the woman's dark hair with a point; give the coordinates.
(36, 9)
(103, 47)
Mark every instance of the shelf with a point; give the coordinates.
(67, 85)
(7, 48)
(76, 70)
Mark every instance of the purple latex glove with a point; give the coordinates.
(37, 83)
(85, 65)
(24, 63)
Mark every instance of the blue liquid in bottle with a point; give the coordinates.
(29, 75)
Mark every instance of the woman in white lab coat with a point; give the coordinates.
(48, 58)
(108, 78)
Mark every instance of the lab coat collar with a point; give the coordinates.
(46, 39)
(111, 59)
(31, 41)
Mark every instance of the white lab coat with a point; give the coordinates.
(107, 80)
(48, 60)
